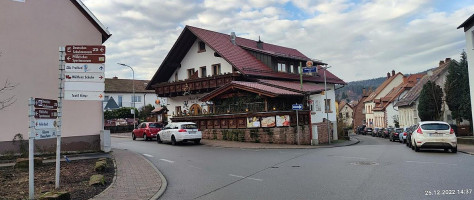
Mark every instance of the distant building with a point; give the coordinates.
(408, 104)
(31, 34)
(345, 113)
(359, 110)
(121, 91)
(378, 119)
(226, 83)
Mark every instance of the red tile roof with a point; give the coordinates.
(251, 87)
(296, 86)
(381, 87)
(408, 83)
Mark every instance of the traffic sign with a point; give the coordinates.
(84, 95)
(85, 49)
(46, 114)
(45, 123)
(79, 58)
(309, 69)
(46, 103)
(297, 107)
(45, 133)
(309, 63)
(81, 67)
(84, 86)
(84, 77)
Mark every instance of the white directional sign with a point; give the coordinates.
(84, 77)
(84, 86)
(81, 67)
(45, 123)
(45, 133)
(84, 95)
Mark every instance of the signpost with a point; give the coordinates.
(85, 58)
(84, 77)
(85, 49)
(309, 69)
(297, 107)
(80, 67)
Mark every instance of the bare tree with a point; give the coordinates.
(10, 100)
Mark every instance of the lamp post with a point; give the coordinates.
(133, 90)
(326, 104)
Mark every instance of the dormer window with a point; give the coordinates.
(202, 46)
(282, 67)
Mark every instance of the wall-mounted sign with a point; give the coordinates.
(45, 133)
(268, 121)
(45, 123)
(46, 114)
(46, 103)
(85, 49)
(283, 120)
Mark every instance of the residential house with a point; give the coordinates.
(384, 109)
(346, 112)
(359, 110)
(392, 81)
(468, 26)
(120, 92)
(31, 34)
(228, 84)
(408, 104)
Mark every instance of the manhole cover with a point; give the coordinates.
(364, 163)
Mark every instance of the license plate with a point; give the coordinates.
(436, 134)
(192, 132)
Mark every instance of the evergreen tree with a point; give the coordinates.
(429, 107)
(457, 90)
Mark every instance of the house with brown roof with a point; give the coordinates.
(228, 83)
(345, 113)
(31, 34)
(392, 81)
(120, 92)
(408, 104)
(384, 111)
(359, 111)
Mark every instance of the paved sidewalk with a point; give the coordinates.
(136, 178)
(252, 145)
(466, 148)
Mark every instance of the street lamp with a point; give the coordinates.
(326, 104)
(133, 89)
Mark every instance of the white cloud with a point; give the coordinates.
(360, 39)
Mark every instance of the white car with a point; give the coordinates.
(179, 132)
(434, 135)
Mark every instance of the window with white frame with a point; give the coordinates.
(136, 98)
(282, 67)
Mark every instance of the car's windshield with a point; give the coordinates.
(155, 125)
(189, 126)
(399, 130)
(435, 126)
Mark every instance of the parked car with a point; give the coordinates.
(375, 132)
(360, 130)
(146, 130)
(394, 135)
(368, 131)
(434, 135)
(410, 132)
(177, 132)
(402, 134)
(386, 132)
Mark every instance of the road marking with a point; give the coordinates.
(148, 155)
(170, 161)
(352, 157)
(194, 167)
(255, 179)
(430, 163)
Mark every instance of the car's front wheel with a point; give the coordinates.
(454, 150)
(158, 139)
(133, 136)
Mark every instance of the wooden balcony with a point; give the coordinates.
(193, 86)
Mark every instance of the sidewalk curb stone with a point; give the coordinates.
(164, 182)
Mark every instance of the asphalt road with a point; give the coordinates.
(373, 169)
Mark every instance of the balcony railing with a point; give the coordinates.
(197, 85)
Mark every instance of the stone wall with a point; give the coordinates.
(276, 135)
(323, 132)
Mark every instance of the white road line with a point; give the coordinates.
(430, 163)
(236, 176)
(170, 161)
(352, 157)
(255, 179)
(148, 155)
(194, 167)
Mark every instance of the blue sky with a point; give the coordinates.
(359, 39)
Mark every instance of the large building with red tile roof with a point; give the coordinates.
(222, 81)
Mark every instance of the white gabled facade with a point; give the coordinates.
(318, 113)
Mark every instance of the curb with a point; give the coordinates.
(113, 180)
(468, 153)
(302, 147)
(164, 182)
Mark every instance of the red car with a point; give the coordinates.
(147, 130)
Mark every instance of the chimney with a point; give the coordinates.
(441, 63)
(393, 72)
(232, 37)
(259, 43)
(447, 60)
(364, 92)
(115, 77)
(388, 75)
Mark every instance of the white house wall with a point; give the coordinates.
(196, 60)
(470, 59)
(185, 102)
(318, 114)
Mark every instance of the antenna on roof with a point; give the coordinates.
(259, 43)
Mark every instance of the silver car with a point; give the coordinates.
(402, 134)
